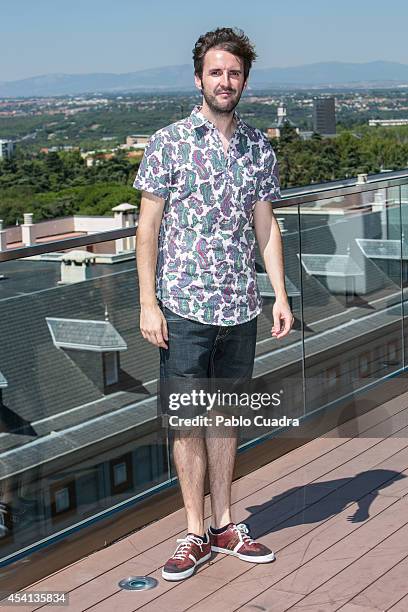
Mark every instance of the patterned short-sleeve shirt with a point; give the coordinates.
(206, 252)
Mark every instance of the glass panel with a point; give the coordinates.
(79, 431)
(351, 271)
(278, 363)
(404, 241)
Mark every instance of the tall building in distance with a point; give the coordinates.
(274, 130)
(6, 148)
(324, 116)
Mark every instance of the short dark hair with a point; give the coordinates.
(233, 40)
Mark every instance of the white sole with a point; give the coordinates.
(187, 573)
(264, 559)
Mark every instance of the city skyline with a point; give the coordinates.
(97, 37)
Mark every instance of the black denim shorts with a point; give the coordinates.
(202, 357)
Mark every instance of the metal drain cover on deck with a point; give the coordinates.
(138, 583)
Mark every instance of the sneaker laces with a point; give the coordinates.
(185, 543)
(243, 531)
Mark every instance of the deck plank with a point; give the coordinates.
(386, 590)
(400, 606)
(371, 565)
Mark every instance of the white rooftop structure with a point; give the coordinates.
(6, 148)
(75, 266)
(387, 122)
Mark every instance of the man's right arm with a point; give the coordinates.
(153, 325)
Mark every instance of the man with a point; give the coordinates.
(205, 180)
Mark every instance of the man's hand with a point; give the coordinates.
(153, 325)
(282, 319)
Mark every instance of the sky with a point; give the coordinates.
(80, 36)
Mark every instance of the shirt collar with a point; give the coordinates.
(198, 119)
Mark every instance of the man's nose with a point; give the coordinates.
(225, 79)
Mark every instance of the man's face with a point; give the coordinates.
(222, 82)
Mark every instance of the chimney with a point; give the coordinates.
(380, 206)
(28, 230)
(125, 216)
(76, 267)
(362, 179)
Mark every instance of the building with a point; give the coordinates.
(387, 122)
(6, 148)
(50, 230)
(274, 131)
(324, 116)
(96, 157)
(137, 139)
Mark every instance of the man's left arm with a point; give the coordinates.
(270, 245)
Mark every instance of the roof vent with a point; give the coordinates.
(362, 178)
(76, 267)
(28, 230)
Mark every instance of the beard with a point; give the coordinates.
(217, 107)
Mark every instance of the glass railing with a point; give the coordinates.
(80, 433)
(351, 288)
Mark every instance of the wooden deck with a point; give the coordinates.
(334, 510)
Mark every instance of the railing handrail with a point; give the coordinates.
(67, 243)
(335, 189)
(305, 195)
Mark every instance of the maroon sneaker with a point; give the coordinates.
(190, 552)
(236, 541)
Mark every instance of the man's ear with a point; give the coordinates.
(198, 82)
(245, 84)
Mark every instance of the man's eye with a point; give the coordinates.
(234, 73)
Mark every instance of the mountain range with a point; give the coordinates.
(179, 78)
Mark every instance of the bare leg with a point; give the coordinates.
(221, 453)
(190, 458)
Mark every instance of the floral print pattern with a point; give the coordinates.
(206, 252)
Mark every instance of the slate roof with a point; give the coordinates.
(85, 335)
(330, 265)
(382, 249)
